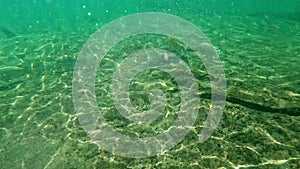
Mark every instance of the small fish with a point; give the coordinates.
(166, 56)
(7, 33)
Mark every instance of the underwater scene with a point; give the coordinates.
(149, 84)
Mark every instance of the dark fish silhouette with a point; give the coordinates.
(7, 33)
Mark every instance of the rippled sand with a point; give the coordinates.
(260, 125)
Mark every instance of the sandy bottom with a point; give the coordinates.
(260, 127)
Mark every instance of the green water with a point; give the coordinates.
(257, 41)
